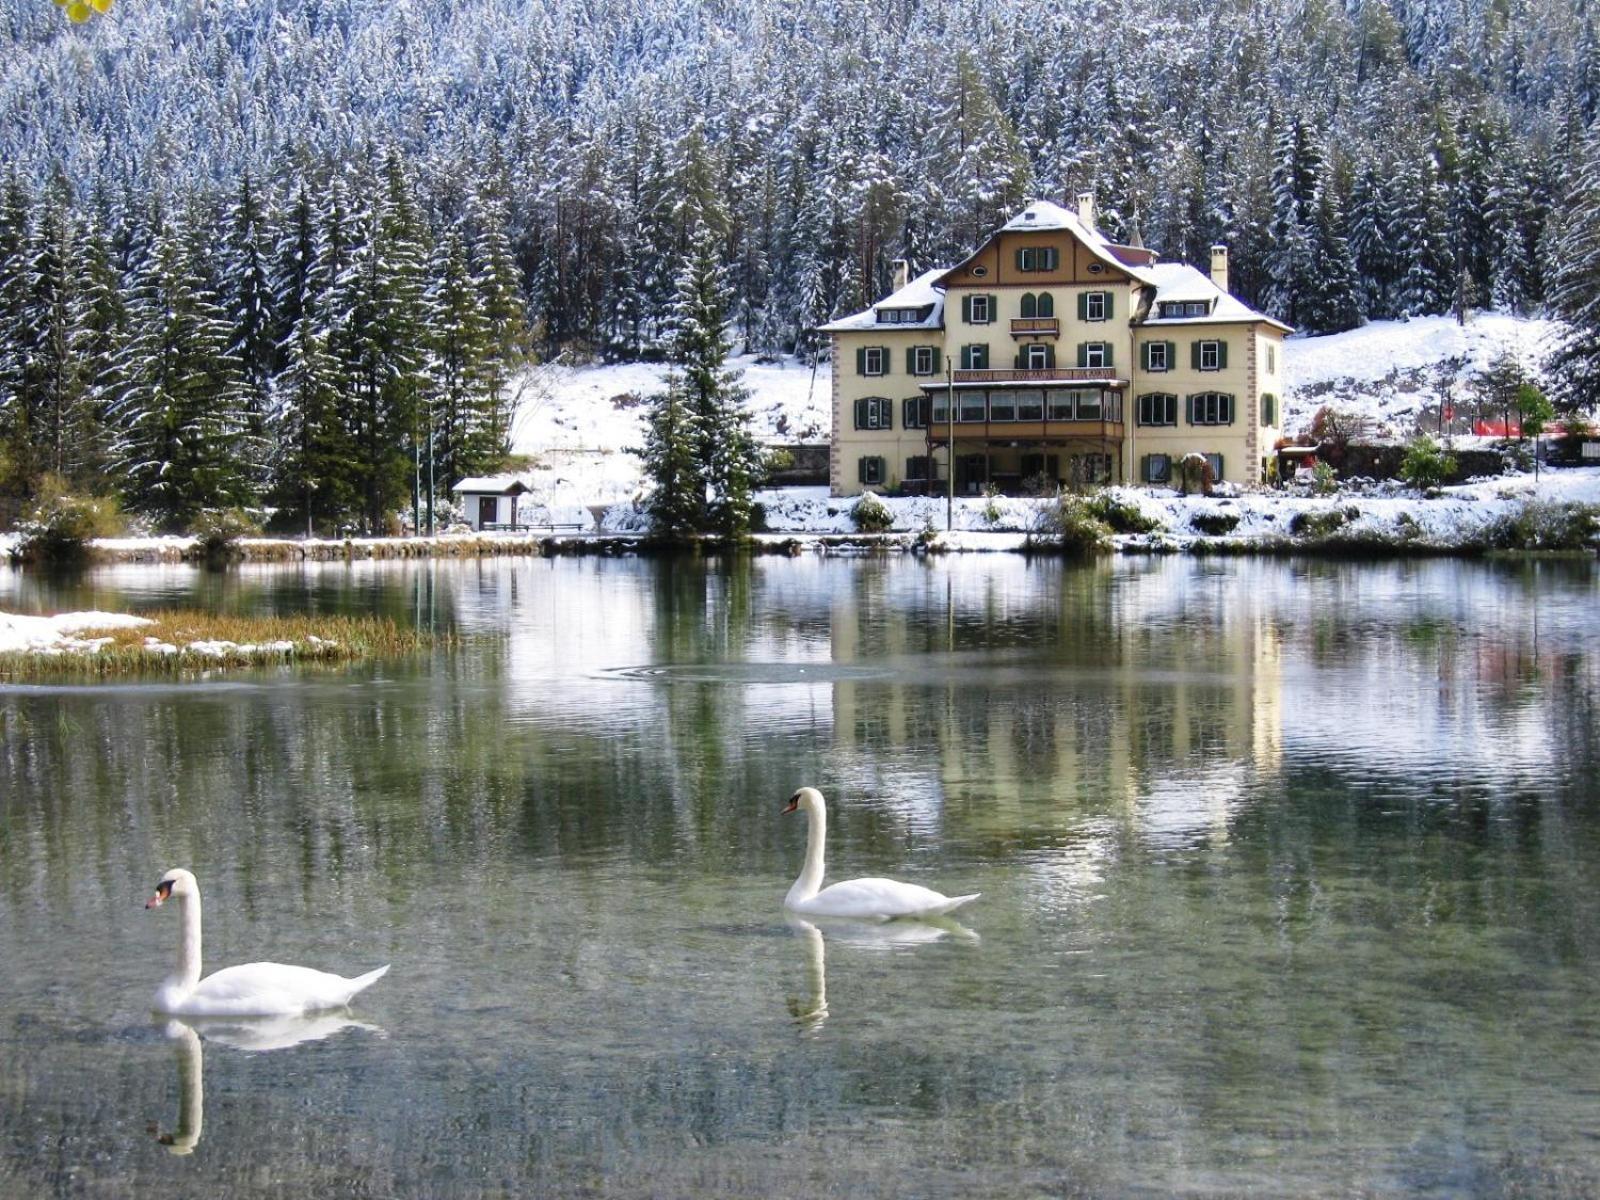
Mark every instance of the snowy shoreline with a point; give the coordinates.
(1382, 519)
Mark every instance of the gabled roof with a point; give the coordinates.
(1046, 215)
(1180, 281)
(492, 485)
(919, 293)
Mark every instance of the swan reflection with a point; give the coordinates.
(254, 1034)
(810, 1012)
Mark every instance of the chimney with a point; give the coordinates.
(902, 273)
(1219, 266)
(1086, 208)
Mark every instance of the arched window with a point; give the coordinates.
(1046, 305)
(1030, 305)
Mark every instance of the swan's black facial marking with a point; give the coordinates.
(794, 803)
(163, 894)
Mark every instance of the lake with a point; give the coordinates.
(1290, 875)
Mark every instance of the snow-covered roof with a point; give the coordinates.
(1176, 282)
(498, 485)
(1043, 214)
(919, 293)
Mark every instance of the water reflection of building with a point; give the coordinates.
(1150, 687)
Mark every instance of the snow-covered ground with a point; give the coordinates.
(579, 423)
(62, 633)
(1387, 372)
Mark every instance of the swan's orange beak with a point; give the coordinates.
(792, 806)
(163, 890)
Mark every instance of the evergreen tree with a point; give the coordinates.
(181, 420)
(248, 295)
(727, 455)
(1574, 283)
(677, 499)
(458, 398)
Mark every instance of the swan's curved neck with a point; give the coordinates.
(188, 973)
(810, 881)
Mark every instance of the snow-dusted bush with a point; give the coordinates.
(1321, 523)
(1071, 527)
(1214, 522)
(870, 514)
(1122, 515)
(60, 525)
(218, 529)
(1547, 526)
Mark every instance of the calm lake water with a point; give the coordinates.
(1290, 875)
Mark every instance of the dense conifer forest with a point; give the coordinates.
(273, 251)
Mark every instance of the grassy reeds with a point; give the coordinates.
(202, 641)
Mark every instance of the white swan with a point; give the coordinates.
(253, 990)
(880, 899)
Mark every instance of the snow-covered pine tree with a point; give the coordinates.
(457, 398)
(247, 294)
(495, 276)
(1573, 287)
(18, 472)
(311, 487)
(1422, 243)
(180, 415)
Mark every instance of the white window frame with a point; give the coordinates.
(879, 414)
(916, 360)
(978, 307)
(875, 354)
(1094, 356)
(1215, 350)
(1036, 351)
(879, 466)
(1091, 301)
(973, 350)
(1151, 349)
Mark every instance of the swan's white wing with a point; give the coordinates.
(880, 898)
(267, 989)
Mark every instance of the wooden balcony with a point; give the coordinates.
(1101, 375)
(1032, 432)
(1035, 327)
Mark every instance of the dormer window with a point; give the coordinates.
(899, 316)
(1185, 308)
(1038, 258)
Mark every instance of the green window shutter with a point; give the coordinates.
(1194, 355)
(1110, 308)
(861, 414)
(966, 309)
(1172, 355)
(1110, 357)
(911, 360)
(861, 470)
(1022, 357)
(1144, 355)
(1190, 415)
(861, 360)
(1049, 355)
(1021, 259)
(1083, 306)
(994, 307)
(1222, 356)
(1047, 305)
(1083, 354)
(1052, 258)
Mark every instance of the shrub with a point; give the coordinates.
(1547, 526)
(1071, 526)
(991, 505)
(218, 529)
(59, 526)
(1322, 524)
(1123, 516)
(1324, 480)
(1215, 523)
(871, 515)
(1427, 464)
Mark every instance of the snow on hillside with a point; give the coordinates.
(1387, 371)
(579, 423)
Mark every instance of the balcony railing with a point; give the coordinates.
(1040, 375)
(1022, 326)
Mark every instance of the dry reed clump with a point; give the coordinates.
(180, 642)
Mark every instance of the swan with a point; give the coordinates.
(879, 899)
(253, 990)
